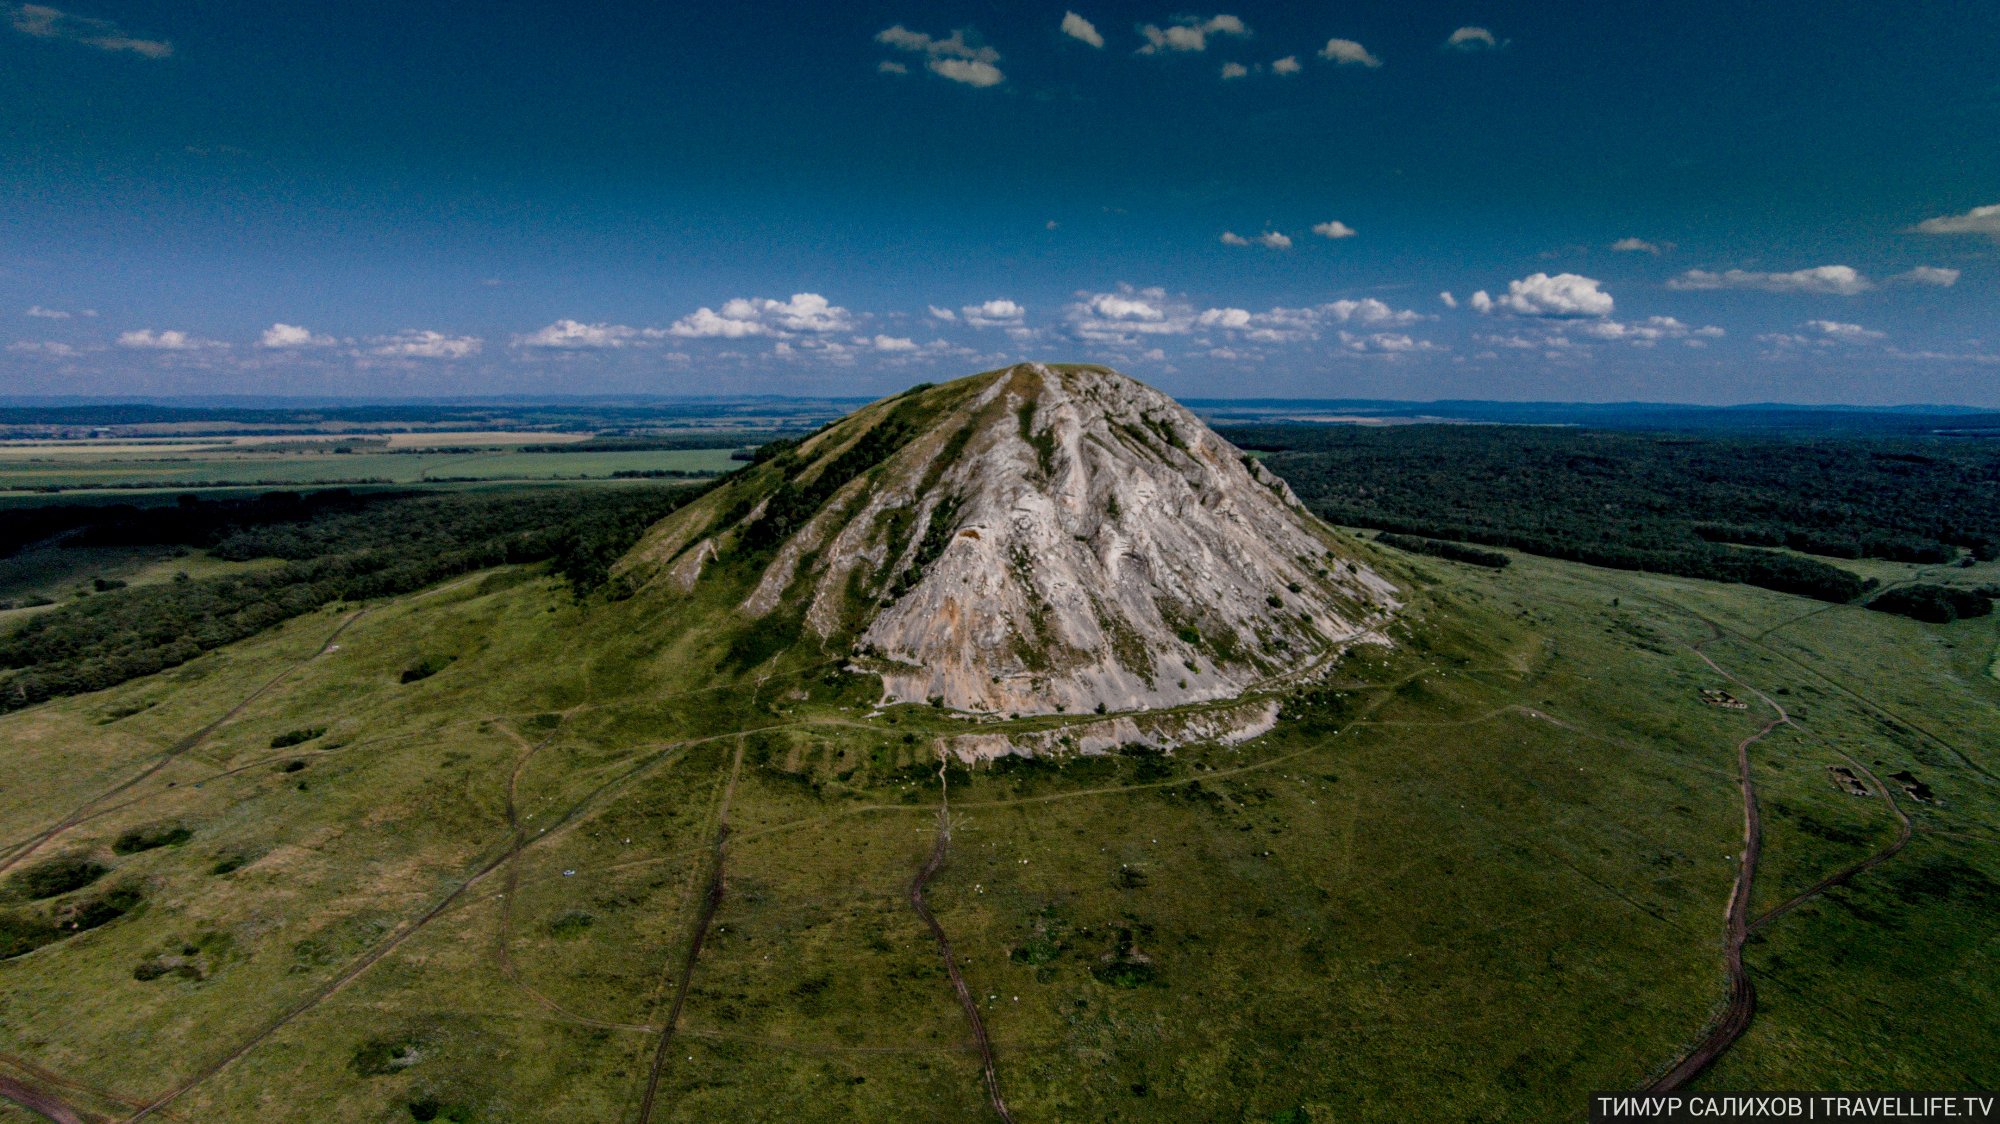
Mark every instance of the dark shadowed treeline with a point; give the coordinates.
(344, 549)
(1672, 504)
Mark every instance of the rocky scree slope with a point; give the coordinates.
(1040, 539)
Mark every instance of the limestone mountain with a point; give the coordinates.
(1037, 539)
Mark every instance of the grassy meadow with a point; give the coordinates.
(1479, 875)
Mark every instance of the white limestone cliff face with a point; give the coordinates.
(1055, 540)
(1080, 578)
(1168, 730)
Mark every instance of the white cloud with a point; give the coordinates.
(46, 313)
(53, 349)
(1835, 280)
(1233, 70)
(1270, 240)
(146, 339)
(1368, 310)
(292, 336)
(1333, 229)
(893, 343)
(1189, 33)
(972, 72)
(1287, 65)
(1644, 333)
(1080, 29)
(950, 57)
(573, 335)
(1565, 295)
(1979, 220)
(1129, 314)
(1347, 52)
(888, 67)
(1385, 343)
(762, 316)
(412, 343)
(44, 22)
(1927, 275)
(1635, 246)
(943, 313)
(1290, 325)
(1845, 333)
(1472, 39)
(1449, 300)
(994, 314)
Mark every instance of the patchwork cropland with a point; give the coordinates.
(240, 462)
(1482, 873)
(497, 850)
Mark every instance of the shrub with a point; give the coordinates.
(423, 669)
(1437, 548)
(147, 838)
(58, 876)
(1933, 604)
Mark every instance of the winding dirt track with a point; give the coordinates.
(1742, 1005)
(1742, 1001)
(940, 850)
(1904, 830)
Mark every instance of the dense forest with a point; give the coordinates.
(1695, 506)
(335, 547)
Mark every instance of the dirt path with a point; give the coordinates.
(711, 901)
(1904, 830)
(367, 960)
(174, 751)
(1742, 1001)
(502, 952)
(1742, 1004)
(940, 851)
(40, 1101)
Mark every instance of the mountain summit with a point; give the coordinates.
(1038, 539)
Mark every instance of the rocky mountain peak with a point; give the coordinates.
(1038, 539)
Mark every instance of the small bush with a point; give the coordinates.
(58, 876)
(380, 1057)
(147, 838)
(22, 933)
(423, 669)
(1124, 973)
(297, 737)
(571, 924)
(102, 911)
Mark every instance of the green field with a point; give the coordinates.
(20, 472)
(1483, 878)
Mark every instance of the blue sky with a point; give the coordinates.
(1674, 202)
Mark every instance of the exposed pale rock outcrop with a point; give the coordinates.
(1038, 540)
